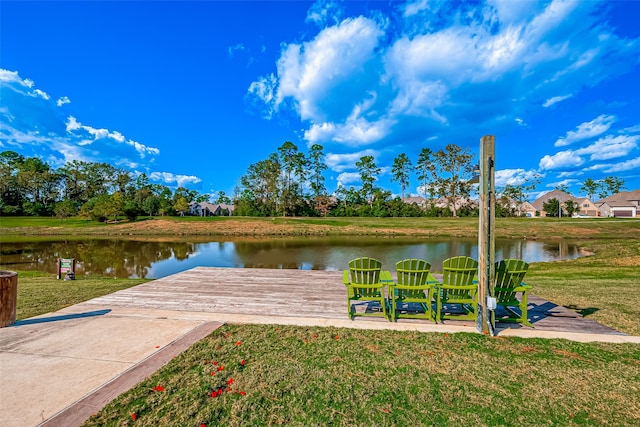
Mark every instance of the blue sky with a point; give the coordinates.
(192, 93)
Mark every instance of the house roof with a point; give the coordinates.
(623, 198)
(555, 194)
(417, 200)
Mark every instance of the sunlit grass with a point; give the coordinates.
(40, 293)
(328, 376)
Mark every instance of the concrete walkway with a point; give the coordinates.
(60, 368)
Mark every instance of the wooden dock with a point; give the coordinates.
(286, 293)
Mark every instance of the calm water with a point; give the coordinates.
(130, 258)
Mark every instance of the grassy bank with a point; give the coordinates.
(40, 293)
(512, 228)
(268, 375)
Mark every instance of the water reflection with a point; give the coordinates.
(152, 259)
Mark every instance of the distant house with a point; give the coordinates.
(210, 209)
(559, 195)
(587, 207)
(418, 200)
(625, 204)
(527, 209)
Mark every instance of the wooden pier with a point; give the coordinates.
(258, 295)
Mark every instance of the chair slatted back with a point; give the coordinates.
(364, 271)
(412, 273)
(509, 275)
(459, 271)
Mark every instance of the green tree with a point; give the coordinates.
(425, 168)
(223, 198)
(401, 171)
(65, 209)
(611, 185)
(450, 174)
(150, 205)
(590, 187)
(369, 172)
(552, 207)
(571, 207)
(318, 166)
(181, 205)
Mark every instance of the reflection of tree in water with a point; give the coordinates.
(115, 258)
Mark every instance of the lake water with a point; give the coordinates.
(152, 259)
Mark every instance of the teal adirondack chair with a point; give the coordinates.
(508, 283)
(363, 282)
(413, 284)
(458, 287)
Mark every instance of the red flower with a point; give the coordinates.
(203, 425)
(213, 373)
(158, 388)
(134, 416)
(242, 362)
(230, 381)
(337, 337)
(220, 368)
(315, 336)
(238, 342)
(242, 393)
(215, 363)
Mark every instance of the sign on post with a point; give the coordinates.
(66, 268)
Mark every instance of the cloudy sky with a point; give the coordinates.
(192, 93)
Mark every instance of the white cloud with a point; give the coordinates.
(324, 12)
(143, 149)
(235, 48)
(63, 100)
(99, 134)
(72, 124)
(506, 177)
(628, 165)
(341, 162)
(560, 160)
(586, 130)
(41, 94)
(610, 147)
(348, 178)
(7, 76)
(562, 183)
(170, 178)
(309, 74)
(412, 8)
(554, 100)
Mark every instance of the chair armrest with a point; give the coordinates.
(345, 277)
(522, 288)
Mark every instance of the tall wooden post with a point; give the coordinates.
(486, 236)
(8, 297)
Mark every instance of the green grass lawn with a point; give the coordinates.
(249, 375)
(40, 293)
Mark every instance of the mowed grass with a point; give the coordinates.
(40, 293)
(264, 375)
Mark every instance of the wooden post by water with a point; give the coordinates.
(8, 297)
(486, 234)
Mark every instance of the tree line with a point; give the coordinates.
(288, 182)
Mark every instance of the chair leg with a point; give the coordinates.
(524, 304)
